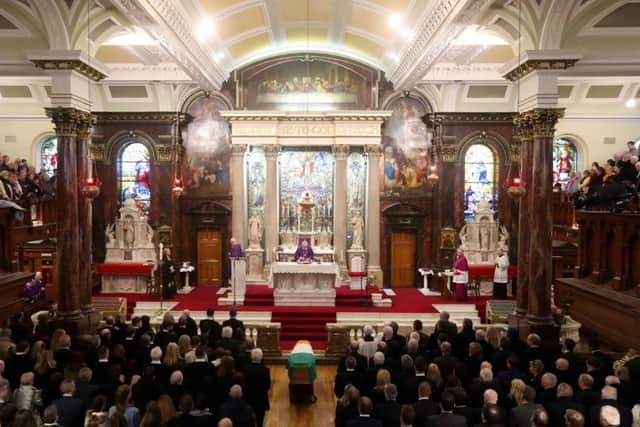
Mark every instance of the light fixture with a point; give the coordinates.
(631, 103)
(205, 28)
(218, 56)
(433, 176)
(407, 34)
(178, 186)
(89, 184)
(474, 36)
(395, 20)
(516, 190)
(138, 38)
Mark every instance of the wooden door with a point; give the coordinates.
(209, 254)
(403, 259)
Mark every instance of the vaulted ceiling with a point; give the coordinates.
(202, 41)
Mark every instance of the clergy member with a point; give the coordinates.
(460, 274)
(168, 273)
(304, 253)
(501, 274)
(236, 249)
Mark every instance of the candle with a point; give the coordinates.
(160, 254)
(517, 182)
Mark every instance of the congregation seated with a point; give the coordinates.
(474, 378)
(129, 374)
(19, 181)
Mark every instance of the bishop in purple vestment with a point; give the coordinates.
(304, 253)
(236, 249)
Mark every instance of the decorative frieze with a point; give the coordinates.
(70, 64)
(148, 117)
(531, 65)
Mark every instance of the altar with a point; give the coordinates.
(304, 284)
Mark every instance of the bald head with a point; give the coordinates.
(562, 364)
(225, 422)
(490, 396)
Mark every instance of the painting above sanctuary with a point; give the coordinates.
(207, 149)
(302, 86)
(405, 149)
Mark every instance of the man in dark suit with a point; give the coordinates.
(447, 418)
(608, 397)
(233, 321)
(200, 372)
(548, 384)
(258, 378)
(70, 409)
(7, 409)
(535, 352)
(100, 371)
(446, 326)
(361, 361)
(237, 410)
(425, 407)
(17, 364)
(408, 388)
(586, 395)
(491, 416)
(521, 414)
(556, 409)
(446, 361)
(86, 391)
(210, 328)
(349, 376)
(168, 274)
(364, 419)
(388, 411)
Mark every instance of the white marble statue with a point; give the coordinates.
(129, 232)
(358, 231)
(130, 237)
(481, 237)
(255, 232)
(150, 234)
(110, 234)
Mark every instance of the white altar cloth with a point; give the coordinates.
(304, 284)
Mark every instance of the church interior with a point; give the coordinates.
(296, 212)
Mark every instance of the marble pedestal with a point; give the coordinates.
(255, 265)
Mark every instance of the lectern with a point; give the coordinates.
(238, 280)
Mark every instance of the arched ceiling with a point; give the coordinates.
(202, 41)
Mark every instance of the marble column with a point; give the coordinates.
(523, 127)
(540, 228)
(271, 219)
(374, 153)
(69, 254)
(85, 226)
(340, 214)
(238, 214)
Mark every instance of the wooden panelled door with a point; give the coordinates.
(209, 252)
(403, 259)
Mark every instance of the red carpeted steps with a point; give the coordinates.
(298, 323)
(258, 296)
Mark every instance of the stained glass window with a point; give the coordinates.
(480, 173)
(49, 156)
(564, 160)
(133, 175)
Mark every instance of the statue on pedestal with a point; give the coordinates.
(255, 232)
(129, 232)
(130, 237)
(110, 234)
(358, 230)
(481, 237)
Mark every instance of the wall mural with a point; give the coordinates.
(298, 85)
(405, 149)
(301, 171)
(256, 178)
(356, 188)
(207, 149)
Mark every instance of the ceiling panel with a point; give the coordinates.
(366, 46)
(238, 23)
(213, 7)
(250, 45)
(299, 35)
(296, 10)
(116, 55)
(369, 21)
(398, 6)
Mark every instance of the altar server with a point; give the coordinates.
(501, 274)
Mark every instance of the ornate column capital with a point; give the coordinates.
(542, 121)
(523, 126)
(545, 64)
(341, 151)
(271, 151)
(374, 150)
(238, 150)
(96, 152)
(70, 121)
(446, 153)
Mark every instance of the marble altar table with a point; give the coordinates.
(123, 277)
(304, 284)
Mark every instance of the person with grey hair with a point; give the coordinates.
(521, 414)
(258, 378)
(388, 411)
(556, 409)
(609, 416)
(176, 388)
(370, 374)
(548, 384)
(479, 385)
(70, 409)
(608, 397)
(586, 395)
(368, 344)
(237, 409)
(446, 361)
(227, 342)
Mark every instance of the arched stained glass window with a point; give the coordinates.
(133, 175)
(48, 156)
(565, 160)
(480, 177)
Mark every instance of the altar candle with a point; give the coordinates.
(160, 254)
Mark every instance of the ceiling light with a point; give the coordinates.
(205, 28)
(473, 36)
(395, 20)
(139, 38)
(631, 103)
(407, 34)
(218, 56)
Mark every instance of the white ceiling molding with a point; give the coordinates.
(172, 29)
(447, 72)
(135, 73)
(438, 26)
(591, 30)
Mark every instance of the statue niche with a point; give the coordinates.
(482, 237)
(130, 237)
